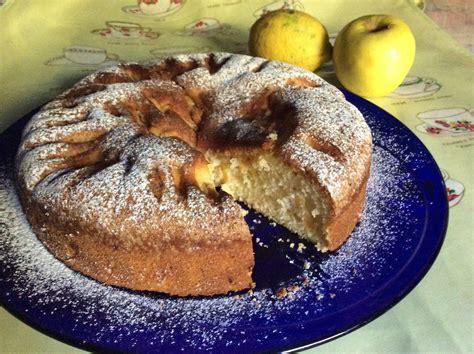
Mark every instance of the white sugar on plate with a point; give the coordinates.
(37, 278)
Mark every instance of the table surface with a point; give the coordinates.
(456, 17)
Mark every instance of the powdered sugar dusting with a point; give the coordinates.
(88, 156)
(143, 322)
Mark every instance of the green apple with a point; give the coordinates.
(373, 54)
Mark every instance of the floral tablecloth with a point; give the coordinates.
(48, 45)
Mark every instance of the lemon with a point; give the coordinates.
(290, 36)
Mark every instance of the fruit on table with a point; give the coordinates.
(373, 54)
(290, 36)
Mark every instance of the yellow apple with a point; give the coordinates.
(373, 54)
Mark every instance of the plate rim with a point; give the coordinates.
(341, 331)
(351, 97)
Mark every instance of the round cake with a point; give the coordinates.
(132, 176)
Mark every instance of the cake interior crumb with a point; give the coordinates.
(268, 185)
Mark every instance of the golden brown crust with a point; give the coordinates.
(341, 222)
(110, 171)
(171, 268)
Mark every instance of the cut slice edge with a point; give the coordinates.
(269, 186)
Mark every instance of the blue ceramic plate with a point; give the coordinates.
(302, 297)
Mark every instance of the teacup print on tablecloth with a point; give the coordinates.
(125, 30)
(82, 55)
(206, 27)
(454, 189)
(447, 121)
(279, 4)
(168, 51)
(415, 87)
(154, 8)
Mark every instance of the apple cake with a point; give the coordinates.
(132, 176)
